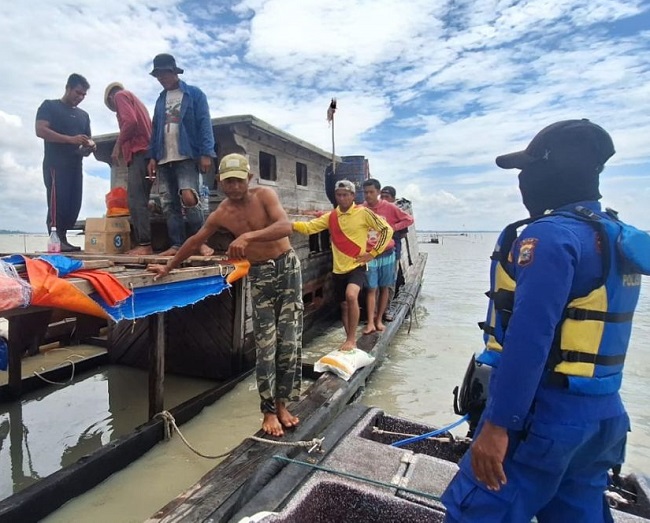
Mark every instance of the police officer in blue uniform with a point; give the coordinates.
(557, 330)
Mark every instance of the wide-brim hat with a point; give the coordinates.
(165, 62)
(107, 92)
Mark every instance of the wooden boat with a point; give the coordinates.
(218, 495)
(221, 344)
(361, 476)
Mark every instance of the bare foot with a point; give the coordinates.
(369, 329)
(205, 250)
(140, 250)
(348, 345)
(271, 425)
(380, 326)
(169, 252)
(285, 417)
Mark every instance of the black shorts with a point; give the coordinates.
(341, 282)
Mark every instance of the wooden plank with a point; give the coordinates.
(157, 365)
(141, 278)
(287, 480)
(239, 324)
(87, 264)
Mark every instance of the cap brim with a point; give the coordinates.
(242, 175)
(517, 160)
(177, 70)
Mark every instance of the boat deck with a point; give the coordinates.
(56, 357)
(361, 477)
(29, 326)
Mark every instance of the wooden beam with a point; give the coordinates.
(239, 327)
(157, 364)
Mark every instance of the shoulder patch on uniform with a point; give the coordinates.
(526, 251)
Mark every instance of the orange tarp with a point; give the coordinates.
(48, 290)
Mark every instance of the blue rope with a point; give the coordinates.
(431, 434)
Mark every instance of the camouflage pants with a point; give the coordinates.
(276, 292)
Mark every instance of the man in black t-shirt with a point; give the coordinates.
(65, 130)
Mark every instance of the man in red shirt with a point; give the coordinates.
(131, 148)
(381, 270)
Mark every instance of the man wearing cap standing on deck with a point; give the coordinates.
(131, 146)
(182, 144)
(349, 226)
(261, 228)
(557, 331)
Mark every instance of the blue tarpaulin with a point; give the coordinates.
(164, 297)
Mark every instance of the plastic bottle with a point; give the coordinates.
(205, 198)
(53, 242)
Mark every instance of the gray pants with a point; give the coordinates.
(138, 190)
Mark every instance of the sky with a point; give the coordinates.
(429, 91)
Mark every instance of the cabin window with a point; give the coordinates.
(319, 242)
(301, 174)
(268, 169)
(314, 243)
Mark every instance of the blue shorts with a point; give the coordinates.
(381, 271)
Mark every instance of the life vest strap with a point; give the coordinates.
(483, 325)
(610, 317)
(555, 379)
(597, 359)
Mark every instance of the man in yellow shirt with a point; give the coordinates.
(349, 226)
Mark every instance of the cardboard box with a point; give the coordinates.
(107, 235)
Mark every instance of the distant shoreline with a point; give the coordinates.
(4, 231)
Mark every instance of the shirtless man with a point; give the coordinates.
(261, 229)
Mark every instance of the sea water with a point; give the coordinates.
(425, 361)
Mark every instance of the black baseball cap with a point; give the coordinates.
(567, 143)
(389, 189)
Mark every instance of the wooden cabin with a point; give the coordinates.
(221, 343)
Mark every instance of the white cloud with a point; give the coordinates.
(446, 85)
